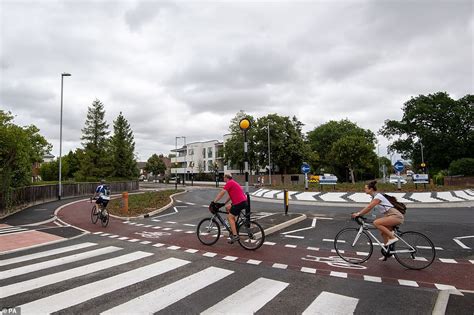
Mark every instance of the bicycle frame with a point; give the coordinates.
(222, 221)
(366, 226)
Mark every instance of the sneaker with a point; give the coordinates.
(391, 241)
(233, 239)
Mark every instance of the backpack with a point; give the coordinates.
(400, 206)
(106, 191)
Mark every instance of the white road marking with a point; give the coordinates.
(335, 304)
(192, 251)
(20, 287)
(294, 236)
(254, 262)
(338, 274)
(51, 252)
(173, 247)
(255, 295)
(457, 240)
(209, 254)
(89, 291)
(159, 299)
(372, 279)
(56, 262)
(230, 258)
(269, 243)
(448, 261)
(159, 245)
(313, 248)
(308, 270)
(279, 266)
(313, 225)
(408, 283)
(290, 246)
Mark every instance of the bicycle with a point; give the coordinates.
(101, 214)
(413, 249)
(251, 234)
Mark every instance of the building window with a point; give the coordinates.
(209, 152)
(204, 152)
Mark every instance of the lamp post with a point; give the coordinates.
(269, 160)
(61, 135)
(176, 161)
(244, 125)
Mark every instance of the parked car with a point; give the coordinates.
(394, 179)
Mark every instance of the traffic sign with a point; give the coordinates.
(305, 168)
(398, 166)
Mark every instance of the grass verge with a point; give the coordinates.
(139, 204)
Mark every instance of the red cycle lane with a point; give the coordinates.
(321, 261)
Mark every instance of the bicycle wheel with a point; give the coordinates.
(352, 247)
(94, 214)
(208, 231)
(104, 218)
(251, 235)
(414, 250)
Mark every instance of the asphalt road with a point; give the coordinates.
(294, 271)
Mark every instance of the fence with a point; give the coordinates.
(459, 181)
(31, 195)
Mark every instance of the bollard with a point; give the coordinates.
(285, 200)
(125, 202)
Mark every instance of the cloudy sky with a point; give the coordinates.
(185, 68)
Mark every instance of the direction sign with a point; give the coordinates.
(398, 166)
(305, 168)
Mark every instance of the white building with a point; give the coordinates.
(200, 157)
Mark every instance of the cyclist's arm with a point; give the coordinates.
(367, 209)
(220, 195)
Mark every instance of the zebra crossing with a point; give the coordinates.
(65, 279)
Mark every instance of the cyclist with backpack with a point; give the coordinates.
(103, 192)
(392, 216)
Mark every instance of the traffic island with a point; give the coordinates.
(279, 221)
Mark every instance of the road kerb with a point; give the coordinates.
(285, 224)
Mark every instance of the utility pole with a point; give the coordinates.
(269, 159)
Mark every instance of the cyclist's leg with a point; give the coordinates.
(385, 226)
(231, 215)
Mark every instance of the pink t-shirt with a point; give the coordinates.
(236, 193)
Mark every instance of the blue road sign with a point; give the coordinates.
(305, 168)
(398, 166)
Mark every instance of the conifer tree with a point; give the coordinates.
(95, 163)
(122, 146)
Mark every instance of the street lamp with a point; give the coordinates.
(269, 160)
(176, 161)
(61, 134)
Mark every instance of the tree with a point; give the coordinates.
(322, 139)
(20, 147)
(122, 144)
(155, 165)
(288, 148)
(95, 163)
(234, 147)
(442, 125)
(354, 152)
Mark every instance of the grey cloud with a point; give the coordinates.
(145, 11)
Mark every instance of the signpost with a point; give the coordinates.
(420, 179)
(305, 170)
(399, 167)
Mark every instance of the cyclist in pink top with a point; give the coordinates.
(238, 203)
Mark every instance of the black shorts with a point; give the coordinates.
(235, 209)
(102, 202)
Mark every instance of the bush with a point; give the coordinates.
(463, 166)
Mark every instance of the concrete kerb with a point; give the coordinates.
(285, 224)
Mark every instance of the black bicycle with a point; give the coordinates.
(99, 213)
(251, 234)
(413, 249)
